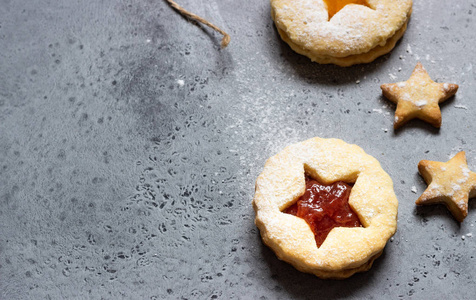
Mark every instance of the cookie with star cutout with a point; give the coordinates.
(450, 183)
(309, 217)
(341, 32)
(418, 97)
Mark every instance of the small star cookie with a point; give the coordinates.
(418, 97)
(450, 183)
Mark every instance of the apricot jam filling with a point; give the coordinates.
(334, 6)
(324, 207)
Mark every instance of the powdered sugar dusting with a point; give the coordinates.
(421, 103)
(456, 187)
(406, 97)
(434, 189)
(465, 171)
(401, 84)
(377, 110)
(354, 29)
(454, 151)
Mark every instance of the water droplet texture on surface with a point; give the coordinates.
(119, 182)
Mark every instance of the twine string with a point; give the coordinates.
(226, 38)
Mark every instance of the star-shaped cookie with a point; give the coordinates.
(450, 183)
(418, 97)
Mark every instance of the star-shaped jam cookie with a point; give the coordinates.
(450, 183)
(418, 97)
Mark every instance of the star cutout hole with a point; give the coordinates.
(324, 207)
(334, 6)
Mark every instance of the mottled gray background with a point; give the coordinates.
(130, 143)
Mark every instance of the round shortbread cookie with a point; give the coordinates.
(345, 250)
(351, 59)
(354, 30)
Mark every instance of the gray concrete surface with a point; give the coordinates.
(130, 143)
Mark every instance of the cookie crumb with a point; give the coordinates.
(377, 110)
(180, 82)
(414, 189)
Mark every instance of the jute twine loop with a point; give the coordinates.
(226, 38)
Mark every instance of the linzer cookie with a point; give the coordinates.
(450, 183)
(418, 97)
(341, 32)
(326, 207)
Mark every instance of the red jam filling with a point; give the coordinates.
(325, 207)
